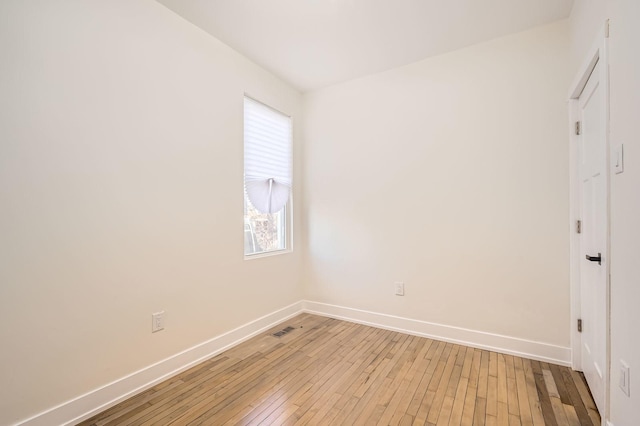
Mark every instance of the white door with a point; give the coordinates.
(593, 239)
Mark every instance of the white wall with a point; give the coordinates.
(624, 66)
(587, 17)
(450, 174)
(121, 194)
(625, 208)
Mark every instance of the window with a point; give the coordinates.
(267, 178)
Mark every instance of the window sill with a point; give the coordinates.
(267, 254)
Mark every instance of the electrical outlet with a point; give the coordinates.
(399, 286)
(624, 377)
(157, 321)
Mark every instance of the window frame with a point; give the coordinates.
(287, 222)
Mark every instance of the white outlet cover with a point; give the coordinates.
(157, 321)
(399, 286)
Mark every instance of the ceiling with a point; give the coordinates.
(315, 43)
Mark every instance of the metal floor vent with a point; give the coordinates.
(283, 332)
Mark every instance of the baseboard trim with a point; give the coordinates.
(91, 403)
(462, 336)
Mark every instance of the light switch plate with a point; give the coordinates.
(618, 159)
(624, 377)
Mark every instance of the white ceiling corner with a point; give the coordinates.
(316, 43)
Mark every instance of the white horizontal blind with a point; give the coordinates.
(267, 156)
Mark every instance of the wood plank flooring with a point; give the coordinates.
(331, 372)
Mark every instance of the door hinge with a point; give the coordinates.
(578, 128)
(578, 227)
(579, 326)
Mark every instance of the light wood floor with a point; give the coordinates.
(332, 372)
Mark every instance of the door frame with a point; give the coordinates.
(598, 54)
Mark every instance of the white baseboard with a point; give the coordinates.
(477, 339)
(90, 404)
